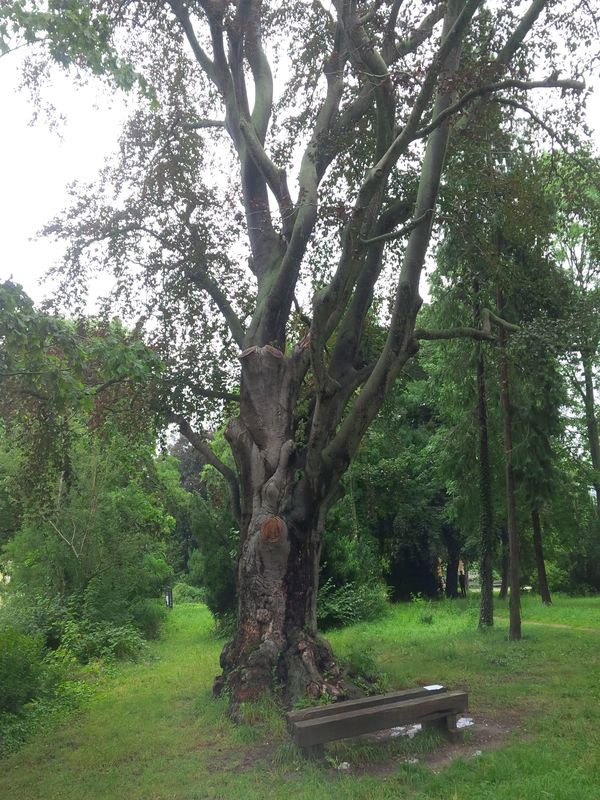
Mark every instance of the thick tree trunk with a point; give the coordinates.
(514, 632)
(276, 641)
(504, 563)
(592, 424)
(539, 557)
(486, 608)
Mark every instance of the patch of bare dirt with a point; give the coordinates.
(488, 732)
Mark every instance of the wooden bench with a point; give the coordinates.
(312, 727)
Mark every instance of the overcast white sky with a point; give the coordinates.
(37, 164)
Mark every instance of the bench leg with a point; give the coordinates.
(314, 752)
(446, 725)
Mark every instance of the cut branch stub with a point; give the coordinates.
(271, 529)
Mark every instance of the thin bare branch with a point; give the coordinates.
(387, 237)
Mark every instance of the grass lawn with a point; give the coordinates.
(578, 612)
(153, 732)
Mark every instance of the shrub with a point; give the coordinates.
(40, 616)
(225, 624)
(212, 567)
(350, 603)
(360, 665)
(148, 616)
(21, 668)
(558, 578)
(184, 593)
(86, 640)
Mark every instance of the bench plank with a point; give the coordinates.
(343, 725)
(314, 712)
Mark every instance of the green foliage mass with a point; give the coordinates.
(85, 522)
(21, 668)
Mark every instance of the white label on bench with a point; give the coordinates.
(434, 687)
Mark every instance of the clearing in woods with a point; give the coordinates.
(153, 732)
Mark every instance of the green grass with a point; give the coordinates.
(575, 611)
(153, 732)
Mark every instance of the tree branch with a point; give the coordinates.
(488, 316)
(212, 394)
(203, 123)
(551, 82)
(201, 57)
(201, 279)
(370, 13)
(518, 36)
(275, 178)
(454, 333)
(386, 237)
(199, 444)
(409, 45)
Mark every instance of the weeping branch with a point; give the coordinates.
(552, 133)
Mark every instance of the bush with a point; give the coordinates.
(85, 640)
(558, 578)
(184, 593)
(148, 616)
(21, 669)
(225, 624)
(350, 603)
(360, 665)
(40, 616)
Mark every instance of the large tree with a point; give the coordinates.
(263, 222)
